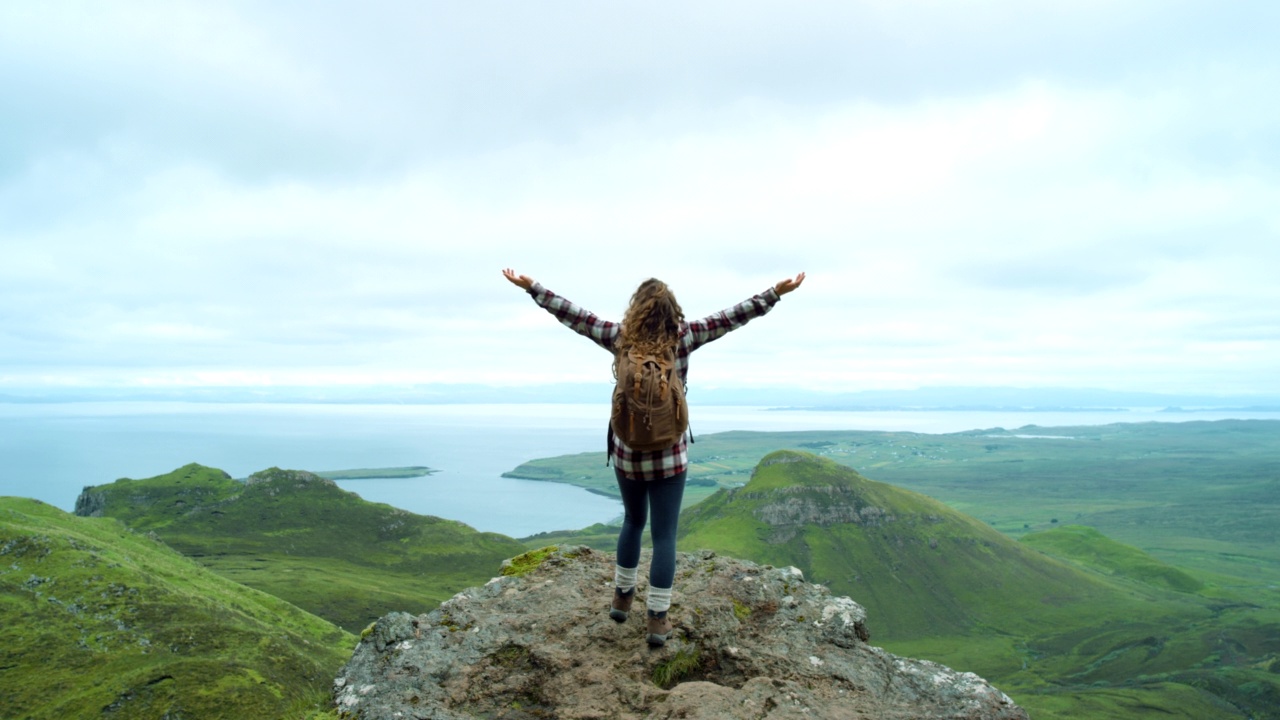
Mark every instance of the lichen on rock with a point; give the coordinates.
(750, 641)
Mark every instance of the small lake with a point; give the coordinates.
(51, 451)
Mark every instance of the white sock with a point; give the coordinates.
(658, 600)
(625, 578)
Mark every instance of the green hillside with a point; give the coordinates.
(1100, 630)
(1088, 547)
(920, 568)
(99, 621)
(302, 538)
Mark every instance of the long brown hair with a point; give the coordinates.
(651, 323)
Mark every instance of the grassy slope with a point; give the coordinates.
(1090, 548)
(99, 621)
(306, 540)
(1106, 631)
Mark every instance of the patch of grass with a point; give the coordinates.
(528, 562)
(510, 655)
(682, 663)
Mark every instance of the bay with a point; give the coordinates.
(51, 451)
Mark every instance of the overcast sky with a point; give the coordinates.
(1006, 192)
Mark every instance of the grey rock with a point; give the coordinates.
(90, 503)
(750, 641)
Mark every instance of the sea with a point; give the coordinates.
(50, 451)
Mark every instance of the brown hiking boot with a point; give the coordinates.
(621, 604)
(659, 628)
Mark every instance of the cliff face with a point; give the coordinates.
(750, 642)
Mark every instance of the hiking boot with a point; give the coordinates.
(659, 628)
(621, 604)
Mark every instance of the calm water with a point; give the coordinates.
(50, 451)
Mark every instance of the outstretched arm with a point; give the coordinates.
(577, 319)
(716, 326)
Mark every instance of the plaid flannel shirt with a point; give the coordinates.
(657, 464)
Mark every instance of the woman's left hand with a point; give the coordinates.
(524, 282)
(785, 286)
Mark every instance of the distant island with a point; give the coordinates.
(378, 473)
(955, 408)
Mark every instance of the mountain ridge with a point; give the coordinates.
(303, 538)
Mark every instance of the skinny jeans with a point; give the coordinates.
(658, 501)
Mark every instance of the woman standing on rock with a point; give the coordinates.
(650, 479)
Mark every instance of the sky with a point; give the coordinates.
(1078, 194)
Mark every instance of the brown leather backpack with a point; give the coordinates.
(649, 409)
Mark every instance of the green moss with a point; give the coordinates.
(510, 655)
(528, 562)
(679, 666)
(740, 611)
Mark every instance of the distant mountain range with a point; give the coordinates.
(934, 398)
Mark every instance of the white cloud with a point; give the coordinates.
(239, 194)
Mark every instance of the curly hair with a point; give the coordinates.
(651, 323)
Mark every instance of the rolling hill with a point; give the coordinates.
(302, 538)
(920, 568)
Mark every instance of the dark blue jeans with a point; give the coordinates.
(660, 499)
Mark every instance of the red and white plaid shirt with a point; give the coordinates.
(656, 464)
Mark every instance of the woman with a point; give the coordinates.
(651, 483)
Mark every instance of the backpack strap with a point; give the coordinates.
(608, 457)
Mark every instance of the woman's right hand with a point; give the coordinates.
(785, 286)
(524, 282)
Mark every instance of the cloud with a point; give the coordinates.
(990, 192)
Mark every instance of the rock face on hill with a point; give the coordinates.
(750, 641)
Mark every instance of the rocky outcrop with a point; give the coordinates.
(750, 642)
(91, 503)
(821, 505)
